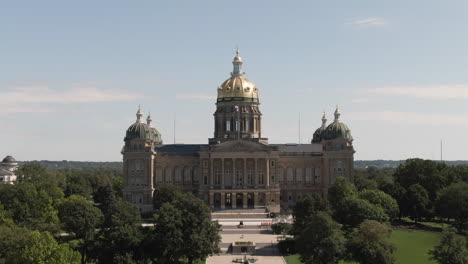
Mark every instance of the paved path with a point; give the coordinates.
(259, 259)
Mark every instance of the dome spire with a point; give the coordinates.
(139, 115)
(149, 119)
(237, 63)
(337, 114)
(324, 120)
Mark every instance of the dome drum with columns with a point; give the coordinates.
(238, 168)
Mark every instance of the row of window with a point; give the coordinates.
(298, 173)
(179, 175)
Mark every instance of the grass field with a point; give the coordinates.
(412, 247)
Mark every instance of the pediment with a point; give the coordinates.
(241, 146)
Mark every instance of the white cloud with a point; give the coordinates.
(431, 92)
(196, 96)
(368, 22)
(42, 98)
(410, 118)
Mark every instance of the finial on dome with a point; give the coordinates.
(337, 114)
(324, 120)
(139, 114)
(237, 63)
(149, 119)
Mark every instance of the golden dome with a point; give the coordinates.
(237, 88)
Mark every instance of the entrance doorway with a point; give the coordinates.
(217, 200)
(239, 200)
(228, 200)
(250, 200)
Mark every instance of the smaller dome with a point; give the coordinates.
(337, 129)
(140, 130)
(9, 159)
(318, 134)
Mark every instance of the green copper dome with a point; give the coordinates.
(337, 129)
(140, 130)
(318, 134)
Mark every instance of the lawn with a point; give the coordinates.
(412, 247)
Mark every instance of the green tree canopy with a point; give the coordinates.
(452, 249)
(352, 211)
(305, 208)
(322, 241)
(452, 202)
(166, 193)
(341, 189)
(381, 199)
(369, 244)
(417, 201)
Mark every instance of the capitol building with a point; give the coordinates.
(238, 167)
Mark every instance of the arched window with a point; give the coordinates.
(308, 175)
(159, 178)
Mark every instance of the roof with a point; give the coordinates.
(180, 148)
(9, 159)
(298, 148)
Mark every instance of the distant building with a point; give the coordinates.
(7, 170)
(238, 168)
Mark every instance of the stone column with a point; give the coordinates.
(212, 173)
(222, 173)
(211, 200)
(267, 172)
(256, 200)
(223, 200)
(244, 200)
(245, 172)
(234, 200)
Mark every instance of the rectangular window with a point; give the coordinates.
(309, 175)
(290, 175)
(298, 175)
(260, 177)
(187, 176)
(168, 176)
(205, 179)
(239, 178)
(159, 178)
(177, 175)
(228, 125)
(250, 177)
(318, 177)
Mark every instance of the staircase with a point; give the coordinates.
(239, 213)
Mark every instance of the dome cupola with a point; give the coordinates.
(237, 88)
(337, 129)
(317, 137)
(140, 130)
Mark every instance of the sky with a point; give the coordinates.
(74, 72)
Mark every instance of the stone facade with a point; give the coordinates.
(238, 168)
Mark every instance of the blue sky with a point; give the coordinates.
(74, 72)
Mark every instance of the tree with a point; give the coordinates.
(43, 249)
(38, 175)
(82, 218)
(417, 201)
(353, 211)
(339, 190)
(369, 244)
(452, 249)
(166, 193)
(452, 202)
(322, 241)
(28, 206)
(398, 193)
(120, 235)
(306, 207)
(183, 229)
(381, 199)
